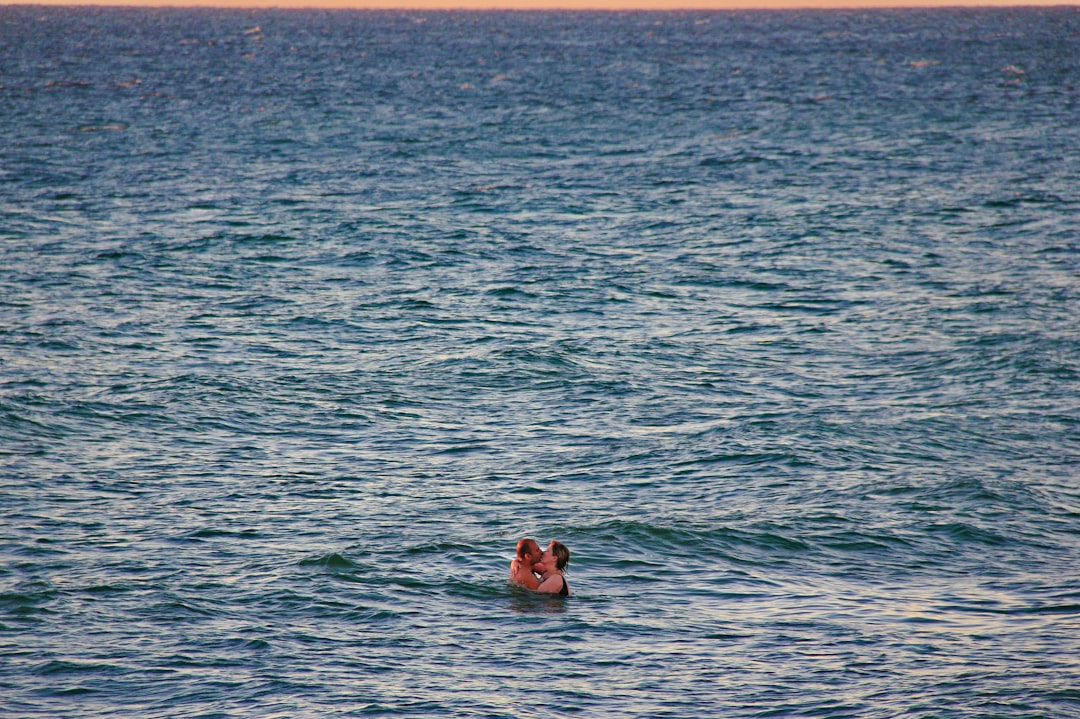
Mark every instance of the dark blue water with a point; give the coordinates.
(307, 317)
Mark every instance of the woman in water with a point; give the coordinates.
(551, 565)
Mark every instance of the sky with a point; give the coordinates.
(560, 4)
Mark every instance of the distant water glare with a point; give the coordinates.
(307, 317)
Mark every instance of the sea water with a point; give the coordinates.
(308, 317)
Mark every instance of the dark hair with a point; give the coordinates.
(562, 555)
(527, 546)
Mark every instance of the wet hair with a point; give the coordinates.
(528, 546)
(562, 555)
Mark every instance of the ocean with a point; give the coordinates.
(773, 318)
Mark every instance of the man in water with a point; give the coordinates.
(521, 569)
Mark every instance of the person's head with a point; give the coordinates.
(528, 551)
(557, 554)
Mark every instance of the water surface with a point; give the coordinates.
(307, 317)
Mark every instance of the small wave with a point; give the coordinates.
(264, 239)
(118, 254)
(28, 603)
(212, 532)
(177, 610)
(464, 449)
(508, 292)
(1042, 198)
(439, 548)
(1050, 609)
(73, 691)
(860, 543)
(69, 667)
(330, 561)
(674, 540)
(969, 534)
(730, 161)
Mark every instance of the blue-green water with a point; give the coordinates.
(307, 317)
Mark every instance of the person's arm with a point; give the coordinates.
(524, 577)
(529, 580)
(552, 585)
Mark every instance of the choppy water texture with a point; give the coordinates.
(307, 317)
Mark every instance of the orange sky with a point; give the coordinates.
(562, 4)
(555, 4)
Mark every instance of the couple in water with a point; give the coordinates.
(549, 564)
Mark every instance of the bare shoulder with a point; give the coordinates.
(553, 584)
